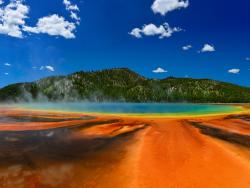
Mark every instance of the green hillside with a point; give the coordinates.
(124, 85)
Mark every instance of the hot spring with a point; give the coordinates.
(133, 108)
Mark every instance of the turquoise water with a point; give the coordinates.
(133, 108)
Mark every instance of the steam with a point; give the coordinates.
(60, 89)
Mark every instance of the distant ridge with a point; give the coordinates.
(124, 85)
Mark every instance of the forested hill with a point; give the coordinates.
(124, 85)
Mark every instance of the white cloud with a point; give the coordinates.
(165, 6)
(72, 10)
(14, 14)
(163, 31)
(234, 71)
(247, 58)
(6, 73)
(12, 18)
(48, 68)
(136, 32)
(208, 48)
(7, 64)
(70, 6)
(187, 47)
(159, 70)
(74, 16)
(53, 25)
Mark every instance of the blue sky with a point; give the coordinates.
(60, 37)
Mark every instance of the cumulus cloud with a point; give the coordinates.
(234, 71)
(165, 6)
(14, 14)
(136, 32)
(12, 18)
(163, 31)
(208, 48)
(187, 47)
(159, 70)
(53, 25)
(48, 68)
(73, 9)
(7, 64)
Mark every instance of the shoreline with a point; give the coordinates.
(242, 109)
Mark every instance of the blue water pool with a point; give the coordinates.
(133, 108)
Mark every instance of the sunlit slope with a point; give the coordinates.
(124, 85)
